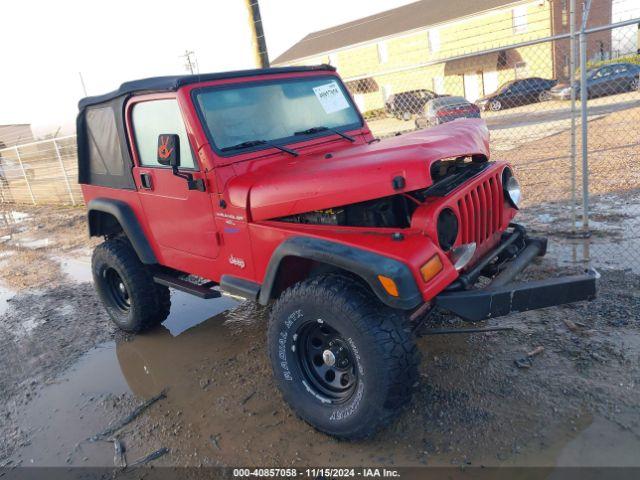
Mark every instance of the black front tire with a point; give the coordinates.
(380, 345)
(126, 287)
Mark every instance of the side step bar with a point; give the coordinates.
(204, 290)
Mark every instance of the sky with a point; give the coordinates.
(44, 45)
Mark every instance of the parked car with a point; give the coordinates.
(606, 80)
(406, 104)
(516, 93)
(290, 202)
(445, 109)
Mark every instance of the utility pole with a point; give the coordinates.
(572, 82)
(191, 65)
(257, 32)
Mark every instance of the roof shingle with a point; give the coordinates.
(391, 22)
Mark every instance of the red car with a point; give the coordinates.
(446, 109)
(268, 185)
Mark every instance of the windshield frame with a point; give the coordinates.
(285, 141)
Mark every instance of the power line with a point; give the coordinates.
(190, 64)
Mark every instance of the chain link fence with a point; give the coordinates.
(40, 172)
(523, 90)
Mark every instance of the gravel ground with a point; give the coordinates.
(70, 376)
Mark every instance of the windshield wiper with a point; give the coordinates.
(313, 130)
(255, 143)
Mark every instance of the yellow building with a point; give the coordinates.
(407, 48)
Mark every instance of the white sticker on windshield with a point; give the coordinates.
(331, 97)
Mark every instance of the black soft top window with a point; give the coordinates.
(103, 154)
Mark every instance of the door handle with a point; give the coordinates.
(146, 181)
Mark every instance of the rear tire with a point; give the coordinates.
(331, 323)
(126, 287)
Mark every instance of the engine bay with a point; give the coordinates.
(395, 211)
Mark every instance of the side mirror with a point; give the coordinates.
(169, 150)
(169, 156)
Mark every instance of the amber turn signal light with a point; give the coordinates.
(431, 268)
(389, 285)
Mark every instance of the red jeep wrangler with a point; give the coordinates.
(268, 185)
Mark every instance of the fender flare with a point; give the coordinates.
(367, 265)
(129, 223)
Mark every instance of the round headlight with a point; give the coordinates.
(447, 229)
(511, 187)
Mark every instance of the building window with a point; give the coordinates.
(565, 14)
(364, 85)
(434, 41)
(438, 84)
(333, 59)
(521, 70)
(519, 19)
(383, 52)
(387, 91)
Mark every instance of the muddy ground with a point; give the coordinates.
(68, 375)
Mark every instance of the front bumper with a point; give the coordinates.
(502, 297)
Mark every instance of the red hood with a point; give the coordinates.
(354, 174)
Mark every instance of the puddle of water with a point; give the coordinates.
(78, 269)
(5, 295)
(614, 223)
(193, 311)
(9, 218)
(33, 243)
(595, 442)
(68, 411)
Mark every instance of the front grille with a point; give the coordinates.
(481, 210)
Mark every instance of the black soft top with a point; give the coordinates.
(173, 82)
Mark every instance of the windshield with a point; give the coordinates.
(253, 115)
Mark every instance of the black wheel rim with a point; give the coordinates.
(327, 360)
(117, 290)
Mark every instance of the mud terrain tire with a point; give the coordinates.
(338, 314)
(126, 287)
